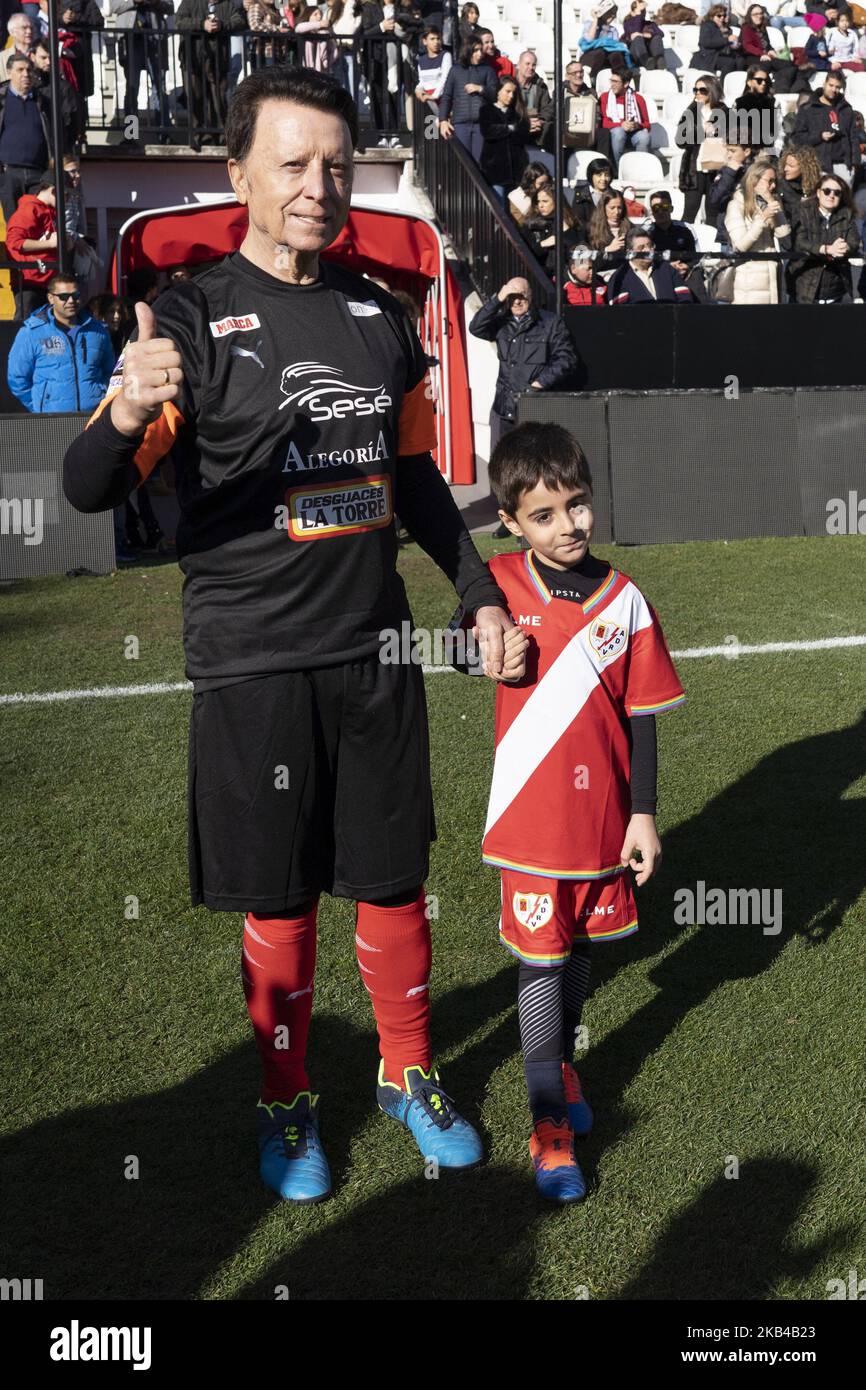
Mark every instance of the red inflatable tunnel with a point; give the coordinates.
(403, 248)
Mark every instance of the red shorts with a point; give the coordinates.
(543, 917)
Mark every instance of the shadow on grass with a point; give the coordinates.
(72, 1219)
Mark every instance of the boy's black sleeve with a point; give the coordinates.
(644, 764)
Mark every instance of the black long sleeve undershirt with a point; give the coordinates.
(427, 509)
(98, 470)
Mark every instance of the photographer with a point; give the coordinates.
(645, 278)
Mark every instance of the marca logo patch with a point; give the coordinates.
(532, 910)
(607, 639)
(341, 510)
(362, 308)
(238, 323)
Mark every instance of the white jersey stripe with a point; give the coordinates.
(555, 704)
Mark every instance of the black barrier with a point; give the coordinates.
(704, 465)
(39, 532)
(642, 347)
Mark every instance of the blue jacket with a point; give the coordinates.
(51, 369)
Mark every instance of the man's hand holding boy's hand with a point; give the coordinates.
(641, 837)
(514, 661)
(493, 630)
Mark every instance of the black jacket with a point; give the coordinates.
(724, 187)
(816, 276)
(690, 124)
(503, 156)
(624, 287)
(761, 129)
(813, 119)
(539, 102)
(538, 229)
(538, 348)
(455, 104)
(790, 195)
(43, 106)
(712, 45)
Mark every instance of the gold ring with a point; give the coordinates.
(167, 376)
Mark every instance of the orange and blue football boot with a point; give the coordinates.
(429, 1115)
(579, 1112)
(292, 1161)
(557, 1175)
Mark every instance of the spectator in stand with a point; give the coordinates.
(600, 43)
(581, 287)
(755, 222)
(755, 44)
(815, 51)
(718, 50)
(502, 66)
(25, 135)
(843, 45)
(599, 174)
(204, 60)
(58, 360)
(825, 239)
(469, 84)
(21, 35)
(80, 19)
(738, 158)
(31, 236)
(826, 122)
(756, 118)
(674, 241)
(625, 117)
(608, 228)
(143, 49)
(505, 132)
(70, 108)
(176, 273)
(322, 53)
(535, 350)
(645, 40)
(702, 127)
(108, 309)
(643, 278)
(540, 228)
(800, 174)
(468, 28)
(434, 66)
(538, 105)
(575, 85)
(520, 198)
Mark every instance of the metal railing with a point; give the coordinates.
(177, 85)
(484, 235)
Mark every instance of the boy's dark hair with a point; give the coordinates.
(301, 85)
(534, 453)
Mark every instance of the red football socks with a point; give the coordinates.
(277, 967)
(394, 956)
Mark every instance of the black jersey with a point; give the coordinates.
(297, 401)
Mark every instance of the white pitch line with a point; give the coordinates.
(731, 650)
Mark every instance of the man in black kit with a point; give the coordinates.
(293, 395)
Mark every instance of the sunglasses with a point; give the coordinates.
(72, 294)
(704, 91)
(831, 192)
(761, 81)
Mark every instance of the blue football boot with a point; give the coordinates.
(579, 1111)
(429, 1115)
(292, 1159)
(557, 1174)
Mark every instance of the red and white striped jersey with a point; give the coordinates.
(560, 799)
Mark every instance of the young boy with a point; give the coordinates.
(573, 796)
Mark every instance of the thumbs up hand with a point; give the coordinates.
(152, 375)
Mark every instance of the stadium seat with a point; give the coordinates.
(577, 163)
(735, 85)
(641, 169)
(688, 36)
(786, 102)
(662, 138)
(536, 35)
(657, 84)
(602, 80)
(816, 81)
(676, 105)
(776, 37)
(515, 11)
(705, 235)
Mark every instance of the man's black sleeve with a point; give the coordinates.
(99, 470)
(644, 764)
(430, 514)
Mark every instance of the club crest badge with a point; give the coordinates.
(532, 910)
(607, 639)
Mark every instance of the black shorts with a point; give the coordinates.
(310, 781)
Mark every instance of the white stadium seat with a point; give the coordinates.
(688, 36)
(735, 85)
(657, 84)
(641, 169)
(776, 37)
(577, 164)
(602, 80)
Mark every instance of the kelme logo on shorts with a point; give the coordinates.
(532, 910)
(607, 639)
(319, 390)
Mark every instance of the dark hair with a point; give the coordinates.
(140, 282)
(41, 43)
(597, 166)
(464, 59)
(845, 200)
(58, 279)
(431, 29)
(101, 304)
(840, 74)
(532, 172)
(47, 181)
(18, 58)
(300, 85)
(664, 194)
(535, 453)
(754, 68)
(634, 233)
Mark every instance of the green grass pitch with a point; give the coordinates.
(126, 1046)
